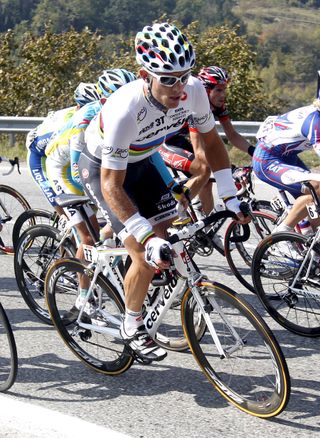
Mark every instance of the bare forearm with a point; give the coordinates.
(115, 195)
(216, 152)
(239, 142)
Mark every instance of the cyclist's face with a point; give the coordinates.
(168, 96)
(217, 95)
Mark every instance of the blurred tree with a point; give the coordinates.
(223, 47)
(49, 69)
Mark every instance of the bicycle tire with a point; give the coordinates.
(244, 377)
(29, 218)
(38, 247)
(273, 275)
(239, 254)
(61, 288)
(8, 353)
(12, 204)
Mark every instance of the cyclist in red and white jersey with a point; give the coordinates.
(188, 156)
(122, 144)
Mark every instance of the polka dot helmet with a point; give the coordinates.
(162, 48)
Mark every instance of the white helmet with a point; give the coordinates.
(85, 93)
(112, 79)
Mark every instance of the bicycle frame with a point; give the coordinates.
(103, 258)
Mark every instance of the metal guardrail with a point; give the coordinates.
(22, 125)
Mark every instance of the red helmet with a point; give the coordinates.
(211, 76)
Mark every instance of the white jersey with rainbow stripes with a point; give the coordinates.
(131, 127)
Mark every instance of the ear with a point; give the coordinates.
(144, 76)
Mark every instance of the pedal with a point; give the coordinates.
(139, 359)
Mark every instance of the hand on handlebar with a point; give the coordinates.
(14, 162)
(158, 253)
(241, 209)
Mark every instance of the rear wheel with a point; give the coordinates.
(37, 249)
(29, 218)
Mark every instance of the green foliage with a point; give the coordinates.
(49, 69)
(223, 47)
(42, 72)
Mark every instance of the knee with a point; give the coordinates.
(200, 168)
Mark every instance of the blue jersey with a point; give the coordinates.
(289, 134)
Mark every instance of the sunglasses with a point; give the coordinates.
(170, 81)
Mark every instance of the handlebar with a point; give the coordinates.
(190, 229)
(14, 162)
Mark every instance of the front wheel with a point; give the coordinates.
(8, 353)
(12, 204)
(239, 254)
(252, 374)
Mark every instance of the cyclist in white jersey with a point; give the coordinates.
(63, 154)
(122, 144)
(280, 141)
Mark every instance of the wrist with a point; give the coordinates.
(251, 150)
(225, 183)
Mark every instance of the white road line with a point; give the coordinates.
(35, 421)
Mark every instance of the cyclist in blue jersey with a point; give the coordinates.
(280, 141)
(122, 152)
(38, 138)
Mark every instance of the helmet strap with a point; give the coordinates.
(152, 100)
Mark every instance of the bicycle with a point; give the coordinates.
(8, 353)
(12, 204)
(238, 252)
(229, 340)
(286, 276)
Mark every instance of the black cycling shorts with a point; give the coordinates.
(143, 184)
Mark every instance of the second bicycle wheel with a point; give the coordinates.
(29, 218)
(37, 249)
(102, 348)
(8, 353)
(12, 204)
(253, 373)
(239, 254)
(287, 281)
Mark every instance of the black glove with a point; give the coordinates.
(251, 150)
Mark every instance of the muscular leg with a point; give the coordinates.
(299, 210)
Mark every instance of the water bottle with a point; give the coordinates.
(304, 227)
